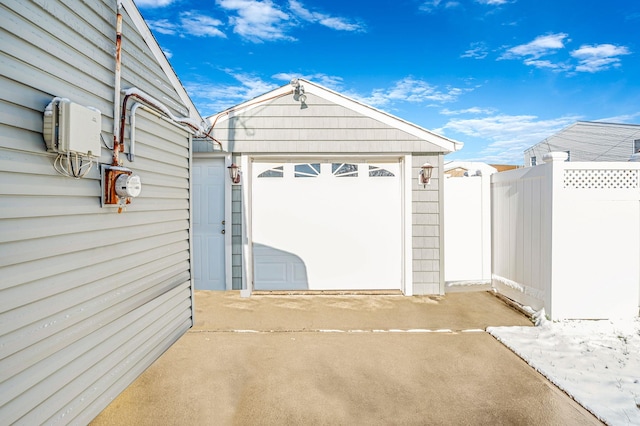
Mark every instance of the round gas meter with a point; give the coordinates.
(128, 185)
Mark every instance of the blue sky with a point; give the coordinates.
(498, 75)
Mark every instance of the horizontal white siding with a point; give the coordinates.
(88, 298)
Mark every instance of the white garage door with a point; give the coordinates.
(327, 226)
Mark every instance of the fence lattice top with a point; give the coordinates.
(601, 179)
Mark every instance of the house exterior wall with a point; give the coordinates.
(566, 238)
(589, 141)
(88, 298)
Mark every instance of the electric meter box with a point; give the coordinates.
(69, 127)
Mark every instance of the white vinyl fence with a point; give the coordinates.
(566, 238)
(467, 230)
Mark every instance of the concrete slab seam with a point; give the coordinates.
(352, 331)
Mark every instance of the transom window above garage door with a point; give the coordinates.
(311, 170)
(306, 170)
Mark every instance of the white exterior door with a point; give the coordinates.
(208, 223)
(327, 226)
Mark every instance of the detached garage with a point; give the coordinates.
(329, 195)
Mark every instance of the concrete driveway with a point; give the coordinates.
(343, 359)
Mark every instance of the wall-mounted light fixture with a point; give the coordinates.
(234, 173)
(298, 93)
(425, 174)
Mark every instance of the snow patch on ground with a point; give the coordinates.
(596, 362)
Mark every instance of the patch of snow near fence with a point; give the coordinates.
(596, 362)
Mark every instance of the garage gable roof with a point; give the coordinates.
(447, 145)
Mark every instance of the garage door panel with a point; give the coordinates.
(346, 230)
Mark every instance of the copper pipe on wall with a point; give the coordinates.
(117, 144)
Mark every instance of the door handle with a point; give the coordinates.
(223, 231)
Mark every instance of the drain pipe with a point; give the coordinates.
(117, 147)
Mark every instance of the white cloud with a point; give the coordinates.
(263, 20)
(163, 26)
(212, 98)
(257, 21)
(340, 24)
(411, 90)
(594, 58)
(188, 23)
(493, 2)
(547, 64)
(200, 25)
(153, 3)
(254, 20)
(508, 135)
(478, 50)
(329, 81)
(540, 46)
(626, 118)
(591, 58)
(431, 6)
(472, 110)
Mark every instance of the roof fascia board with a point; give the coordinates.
(159, 55)
(629, 126)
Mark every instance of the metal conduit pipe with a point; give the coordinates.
(132, 124)
(159, 108)
(120, 112)
(116, 94)
(132, 131)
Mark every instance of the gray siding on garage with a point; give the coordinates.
(282, 125)
(88, 298)
(236, 237)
